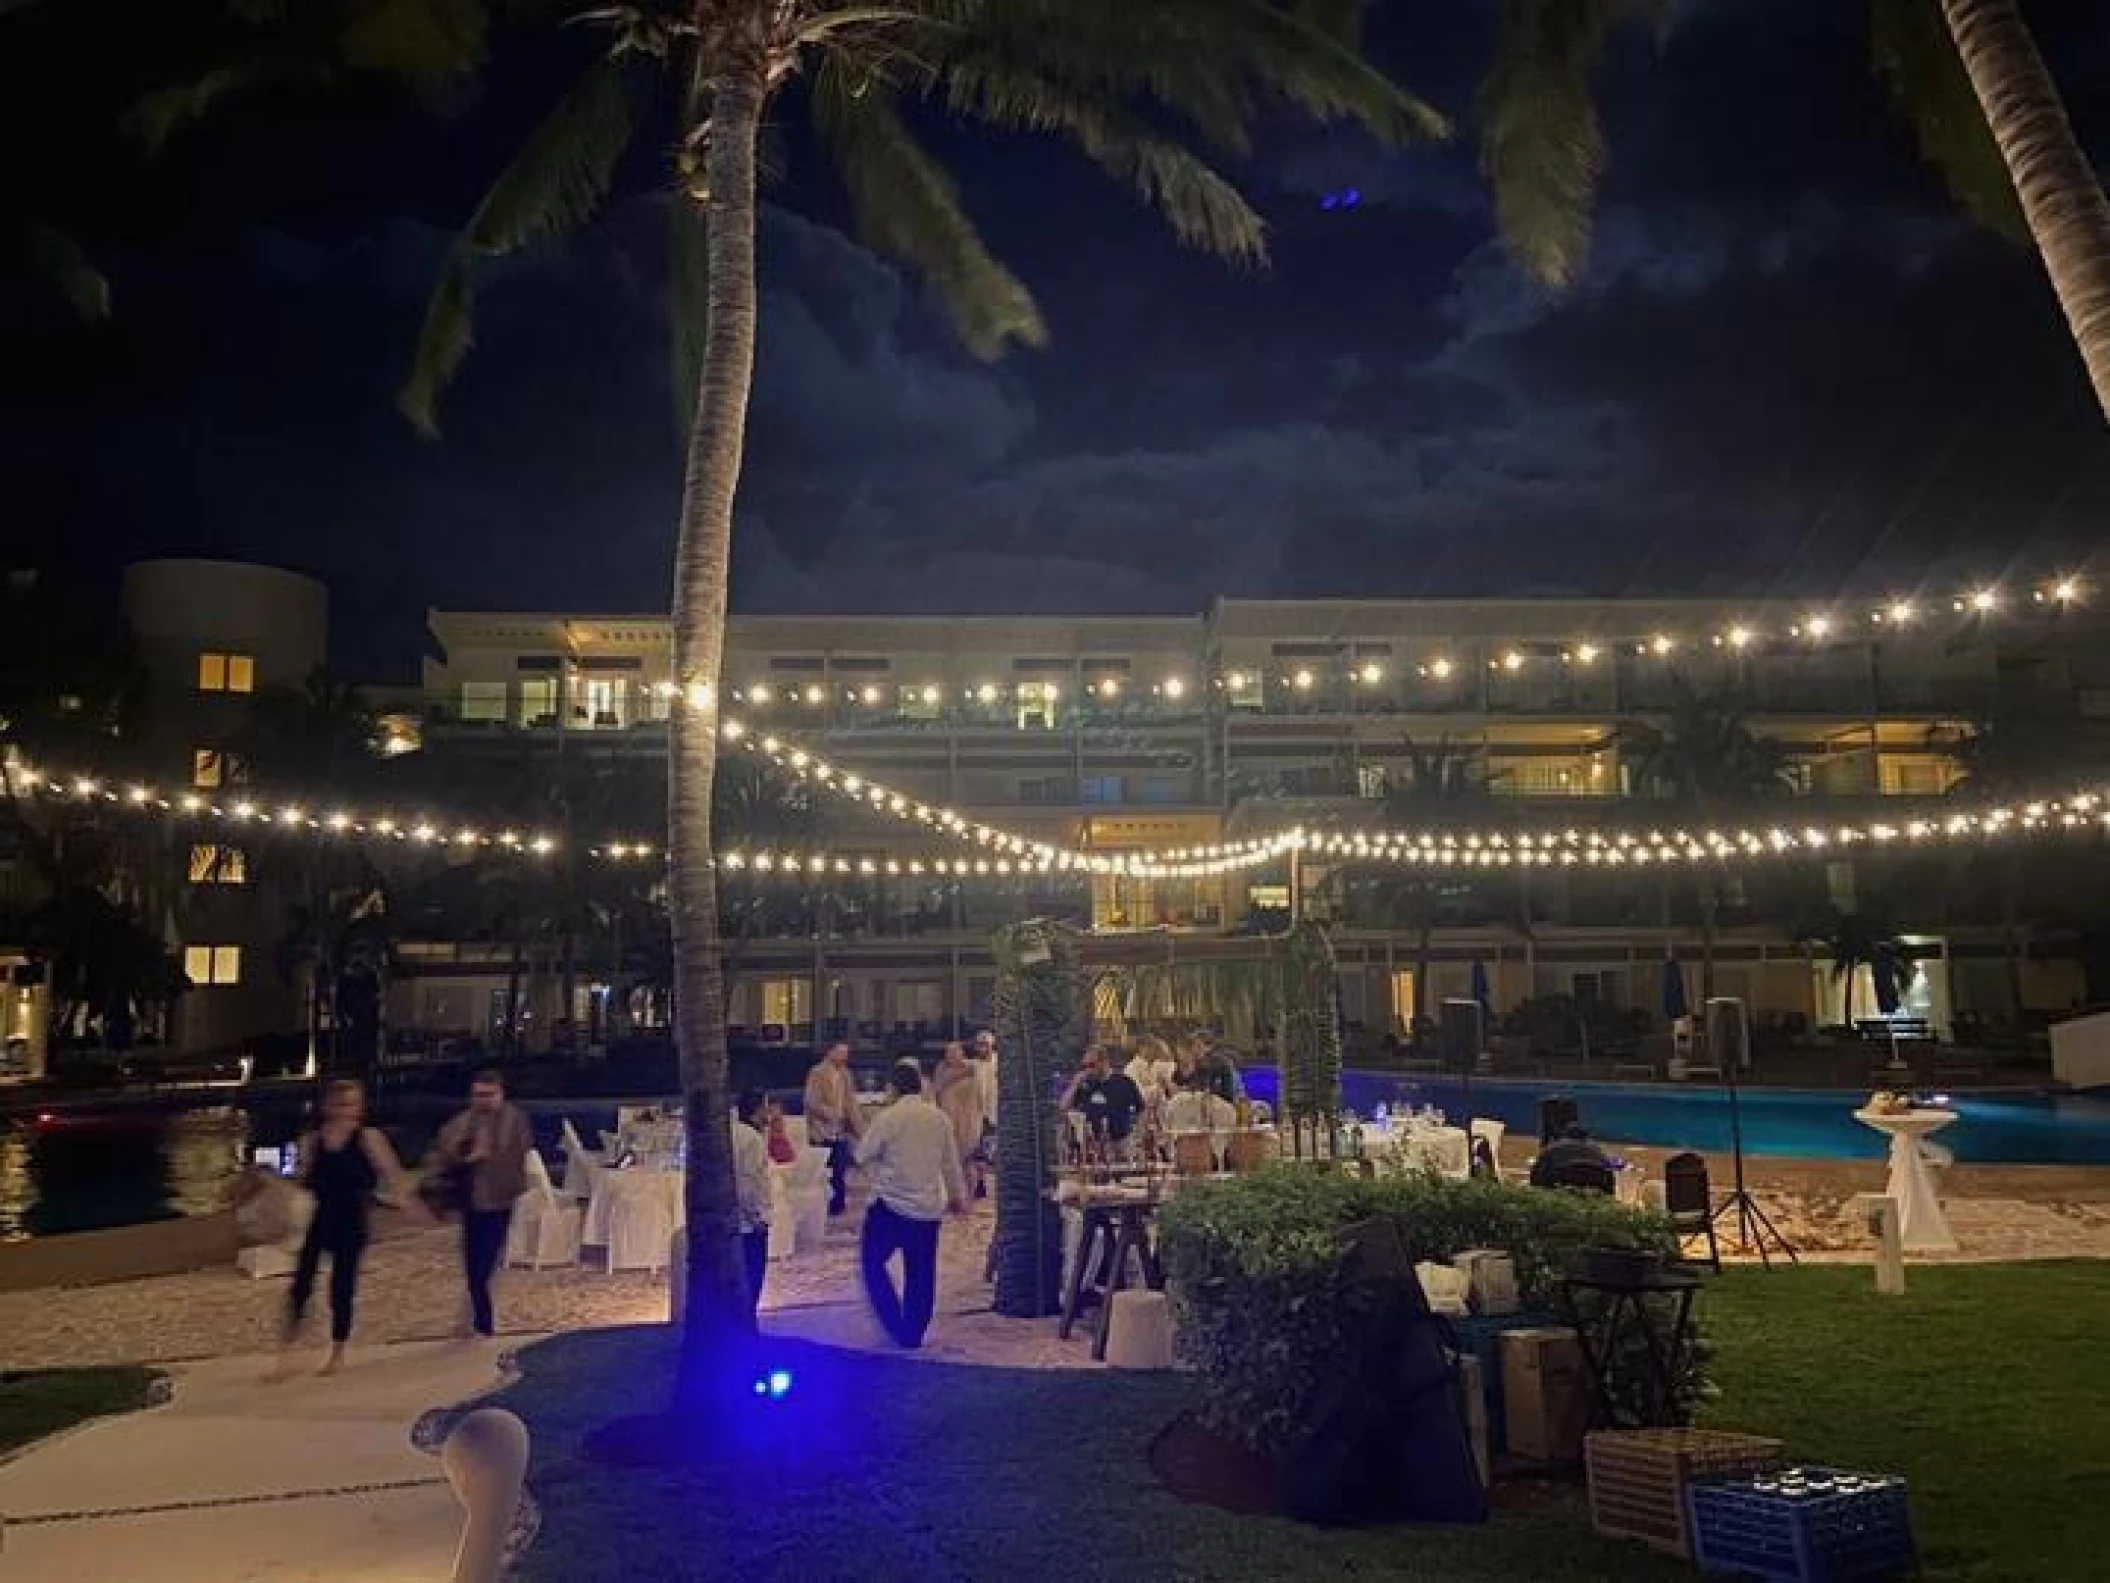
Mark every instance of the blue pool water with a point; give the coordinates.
(2007, 1129)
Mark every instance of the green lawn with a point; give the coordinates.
(1983, 1386)
(42, 1403)
(1987, 1386)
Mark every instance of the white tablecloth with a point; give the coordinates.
(1922, 1226)
(610, 1185)
(1445, 1149)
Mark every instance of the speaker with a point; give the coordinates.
(1728, 1034)
(1461, 1035)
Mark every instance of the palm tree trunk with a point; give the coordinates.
(716, 1304)
(1710, 910)
(2062, 199)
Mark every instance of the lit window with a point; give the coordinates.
(226, 673)
(205, 768)
(1039, 705)
(212, 964)
(213, 864)
(484, 701)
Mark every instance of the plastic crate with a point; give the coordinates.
(1639, 1478)
(1810, 1525)
(1480, 1336)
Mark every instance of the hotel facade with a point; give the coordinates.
(1118, 735)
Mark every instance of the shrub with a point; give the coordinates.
(1261, 1305)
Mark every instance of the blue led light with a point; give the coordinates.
(779, 1382)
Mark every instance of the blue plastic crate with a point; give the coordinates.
(1810, 1525)
(1480, 1336)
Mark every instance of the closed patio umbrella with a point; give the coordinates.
(1481, 993)
(1675, 1006)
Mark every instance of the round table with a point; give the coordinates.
(1922, 1226)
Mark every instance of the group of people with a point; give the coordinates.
(476, 1170)
(924, 1153)
(925, 1150)
(1195, 1090)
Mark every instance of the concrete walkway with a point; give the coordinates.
(239, 1479)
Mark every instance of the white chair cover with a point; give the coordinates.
(544, 1233)
(1484, 1127)
(640, 1232)
(581, 1164)
(795, 1130)
(807, 1193)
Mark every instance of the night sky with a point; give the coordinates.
(1793, 367)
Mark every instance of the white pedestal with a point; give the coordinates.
(1922, 1226)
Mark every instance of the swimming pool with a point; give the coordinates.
(2009, 1128)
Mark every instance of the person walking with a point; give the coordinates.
(751, 1186)
(341, 1164)
(959, 1096)
(834, 1119)
(483, 1152)
(914, 1159)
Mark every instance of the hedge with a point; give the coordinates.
(1253, 1270)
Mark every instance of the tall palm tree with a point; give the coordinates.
(1444, 783)
(1703, 755)
(2006, 89)
(1112, 77)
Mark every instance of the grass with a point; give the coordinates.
(1982, 1385)
(40, 1403)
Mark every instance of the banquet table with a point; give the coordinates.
(1922, 1226)
(1445, 1149)
(638, 1180)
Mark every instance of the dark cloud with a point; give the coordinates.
(1789, 365)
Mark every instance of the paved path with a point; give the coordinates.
(238, 1479)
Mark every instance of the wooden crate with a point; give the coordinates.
(1638, 1478)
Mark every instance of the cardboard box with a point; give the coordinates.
(1472, 1400)
(1545, 1394)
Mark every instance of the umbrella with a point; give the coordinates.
(1480, 989)
(1887, 972)
(1675, 1006)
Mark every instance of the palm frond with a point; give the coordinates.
(909, 209)
(1204, 210)
(163, 112)
(1213, 63)
(426, 44)
(1914, 53)
(1542, 141)
(553, 185)
(56, 257)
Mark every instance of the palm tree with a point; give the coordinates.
(1109, 76)
(1444, 784)
(1704, 755)
(1854, 940)
(2018, 751)
(2004, 88)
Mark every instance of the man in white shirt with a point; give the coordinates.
(913, 1159)
(1196, 1108)
(751, 1187)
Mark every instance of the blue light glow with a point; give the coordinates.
(779, 1382)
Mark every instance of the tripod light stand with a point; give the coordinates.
(1729, 1041)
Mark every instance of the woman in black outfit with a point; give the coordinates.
(342, 1163)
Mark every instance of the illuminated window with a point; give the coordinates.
(213, 864)
(226, 673)
(212, 964)
(484, 701)
(538, 701)
(205, 768)
(1039, 704)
